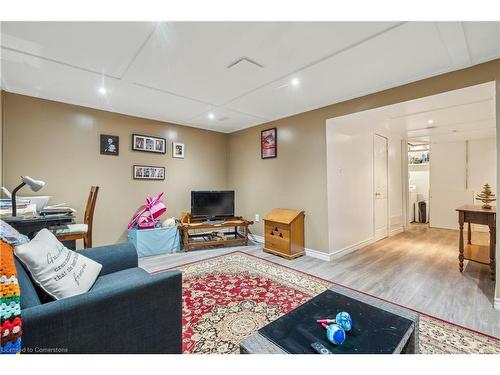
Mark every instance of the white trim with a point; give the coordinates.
(381, 234)
(395, 231)
(349, 249)
(496, 303)
(309, 252)
(337, 254)
(318, 254)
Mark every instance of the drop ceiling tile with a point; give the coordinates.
(483, 40)
(191, 58)
(455, 43)
(32, 76)
(404, 54)
(455, 116)
(104, 47)
(224, 120)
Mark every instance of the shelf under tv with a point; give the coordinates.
(207, 239)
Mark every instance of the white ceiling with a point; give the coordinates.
(178, 71)
(458, 115)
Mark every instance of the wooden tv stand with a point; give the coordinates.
(207, 238)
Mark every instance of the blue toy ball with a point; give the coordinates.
(335, 334)
(344, 320)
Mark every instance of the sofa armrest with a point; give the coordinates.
(144, 317)
(113, 258)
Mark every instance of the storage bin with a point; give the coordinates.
(155, 241)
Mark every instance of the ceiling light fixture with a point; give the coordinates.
(430, 121)
(102, 90)
(295, 82)
(211, 116)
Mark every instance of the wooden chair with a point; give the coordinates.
(79, 231)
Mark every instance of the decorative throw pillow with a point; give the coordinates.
(59, 271)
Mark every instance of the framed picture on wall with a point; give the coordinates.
(109, 144)
(149, 143)
(178, 150)
(268, 143)
(148, 172)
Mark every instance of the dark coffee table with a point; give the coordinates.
(379, 327)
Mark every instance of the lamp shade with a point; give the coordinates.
(35, 185)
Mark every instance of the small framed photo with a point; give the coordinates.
(148, 143)
(110, 144)
(148, 172)
(178, 150)
(268, 143)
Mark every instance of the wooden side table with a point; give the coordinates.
(472, 214)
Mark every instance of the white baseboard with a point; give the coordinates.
(349, 249)
(309, 252)
(318, 254)
(337, 254)
(496, 303)
(395, 231)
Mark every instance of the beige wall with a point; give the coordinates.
(59, 143)
(297, 178)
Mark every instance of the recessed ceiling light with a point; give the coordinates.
(430, 121)
(102, 90)
(211, 116)
(295, 82)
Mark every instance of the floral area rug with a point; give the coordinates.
(227, 298)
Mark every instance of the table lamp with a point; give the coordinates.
(35, 185)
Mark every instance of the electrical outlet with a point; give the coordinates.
(257, 218)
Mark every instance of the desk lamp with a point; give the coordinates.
(35, 185)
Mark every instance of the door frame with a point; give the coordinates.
(406, 185)
(388, 211)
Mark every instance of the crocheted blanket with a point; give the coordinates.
(10, 307)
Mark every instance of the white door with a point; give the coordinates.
(381, 222)
(448, 187)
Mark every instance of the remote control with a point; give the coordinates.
(320, 348)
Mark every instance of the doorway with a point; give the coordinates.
(418, 182)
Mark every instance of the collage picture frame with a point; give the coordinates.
(148, 172)
(147, 143)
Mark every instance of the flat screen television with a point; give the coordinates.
(212, 204)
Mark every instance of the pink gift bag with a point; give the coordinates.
(147, 216)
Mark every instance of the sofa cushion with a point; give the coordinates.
(29, 295)
(71, 229)
(57, 270)
(114, 280)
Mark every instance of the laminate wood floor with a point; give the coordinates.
(417, 269)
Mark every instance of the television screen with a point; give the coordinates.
(212, 204)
